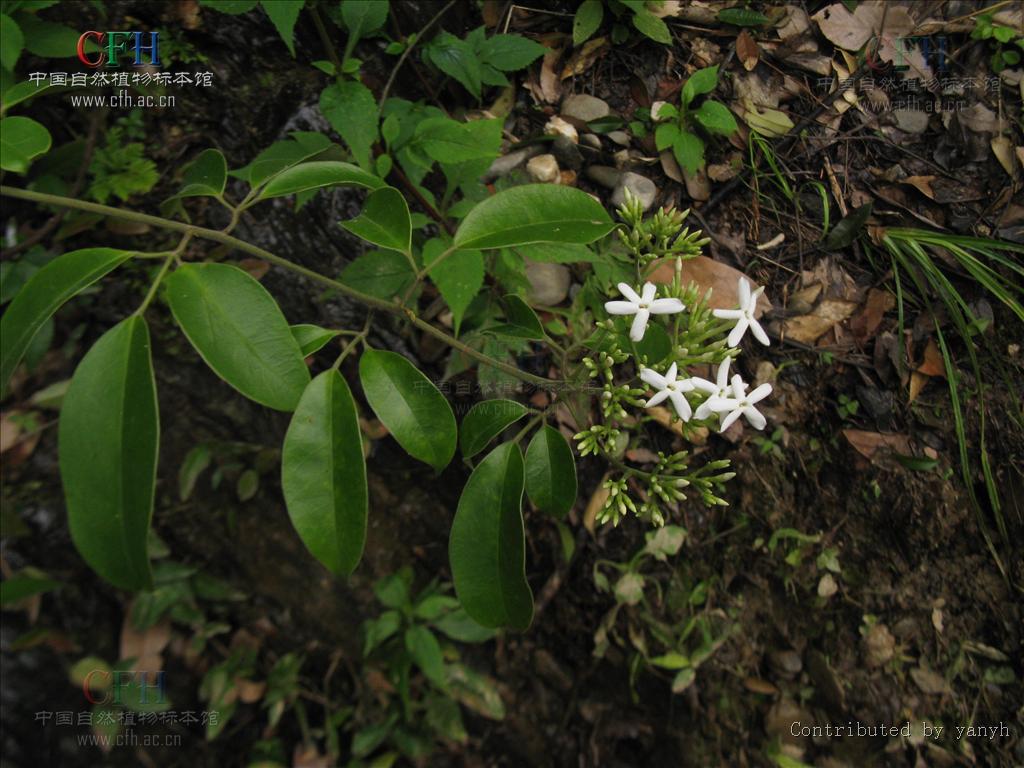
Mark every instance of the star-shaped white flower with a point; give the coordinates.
(715, 390)
(643, 307)
(744, 316)
(668, 387)
(742, 404)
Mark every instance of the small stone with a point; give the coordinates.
(567, 178)
(549, 283)
(911, 120)
(623, 159)
(604, 175)
(591, 140)
(878, 403)
(556, 126)
(619, 137)
(566, 153)
(827, 586)
(508, 163)
(642, 188)
(879, 645)
(584, 107)
(786, 663)
(543, 168)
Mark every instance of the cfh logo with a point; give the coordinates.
(113, 46)
(102, 686)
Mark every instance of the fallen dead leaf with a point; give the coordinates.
(811, 327)
(722, 279)
(670, 165)
(250, 691)
(583, 58)
(595, 504)
(932, 364)
(757, 685)
(10, 431)
(747, 50)
(872, 445)
(797, 22)
(929, 681)
(921, 183)
(867, 322)
(918, 381)
(696, 435)
(255, 267)
(870, 20)
(145, 647)
(1002, 148)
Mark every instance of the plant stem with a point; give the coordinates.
(171, 256)
(408, 50)
(234, 242)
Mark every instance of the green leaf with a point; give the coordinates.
(510, 52)
(742, 17)
(716, 118)
(665, 135)
(534, 213)
(361, 17)
(107, 445)
(238, 329)
(449, 141)
(550, 472)
(393, 590)
(378, 630)
(487, 548)
(558, 253)
(485, 421)
(233, 7)
(521, 322)
(196, 461)
(312, 338)
(352, 111)
(426, 653)
(316, 175)
(384, 221)
(653, 347)
(44, 293)
(459, 626)
(379, 273)
(459, 277)
(416, 414)
(586, 21)
(323, 474)
(205, 176)
(456, 58)
(700, 82)
(284, 14)
(849, 229)
(49, 40)
(433, 607)
(11, 42)
(651, 26)
(689, 151)
(22, 139)
(248, 485)
(17, 588)
(281, 155)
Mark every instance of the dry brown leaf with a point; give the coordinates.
(255, 267)
(583, 58)
(866, 323)
(1002, 148)
(308, 756)
(929, 681)
(873, 19)
(932, 365)
(250, 691)
(747, 50)
(670, 165)
(918, 381)
(809, 328)
(922, 183)
(796, 23)
(10, 431)
(594, 505)
(872, 445)
(146, 645)
(722, 279)
(757, 685)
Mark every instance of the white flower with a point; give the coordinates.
(742, 404)
(668, 387)
(744, 316)
(643, 307)
(715, 390)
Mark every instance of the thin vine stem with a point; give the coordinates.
(241, 245)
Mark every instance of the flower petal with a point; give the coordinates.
(743, 290)
(666, 306)
(721, 404)
(736, 334)
(652, 377)
(702, 412)
(657, 398)
(739, 387)
(684, 385)
(760, 393)
(636, 332)
(670, 374)
(628, 292)
(752, 301)
(681, 405)
(722, 377)
(728, 314)
(758, 331)
(650, 290)
(754, 416)
(620, 307)
(728, 420)
(703, 385)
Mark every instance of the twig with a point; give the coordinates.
(408, 50)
